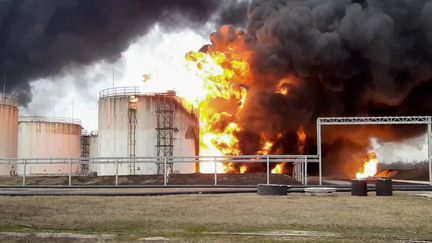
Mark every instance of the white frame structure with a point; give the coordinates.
(389, 120)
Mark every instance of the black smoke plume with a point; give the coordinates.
(39, 38)
(344, 58)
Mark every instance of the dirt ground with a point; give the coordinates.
(174, 179)
(221, 218)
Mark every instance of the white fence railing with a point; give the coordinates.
(123, 91)
(50, 119)
(299, 162)
(6, 100)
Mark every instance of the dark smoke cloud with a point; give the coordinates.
(347, 58)
(376, 53)
(38, 38)
(233, 12)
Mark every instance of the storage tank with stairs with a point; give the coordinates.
(133, 123)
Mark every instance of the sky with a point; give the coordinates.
(74, 93)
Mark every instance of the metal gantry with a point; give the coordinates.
(165, 110)
(377, 120)
(384, 120)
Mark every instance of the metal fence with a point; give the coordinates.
(300, 163)
(50, 119)
(6, 100)
(123, 91)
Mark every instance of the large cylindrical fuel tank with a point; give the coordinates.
(128, 126)
(44, 137)
(8, 132)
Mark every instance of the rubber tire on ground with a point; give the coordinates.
(272, 190)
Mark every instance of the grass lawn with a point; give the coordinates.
(230, 217)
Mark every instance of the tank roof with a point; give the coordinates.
(6, 100)
(65, 120)
(124, 91)
(138, 91)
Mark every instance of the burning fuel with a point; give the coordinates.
(369, 168)
(278, 169)
(299, 60)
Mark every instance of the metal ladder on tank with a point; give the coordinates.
(132, 136)
(165, 109)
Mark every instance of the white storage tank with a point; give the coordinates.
(128, 126)
(8, 132)
(45, 137)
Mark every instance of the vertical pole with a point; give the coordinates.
(299, 172)
(24, 173)
(70, 172)
(319, 150)
(306, 174)
(302, 170)
(268, 170)
(116, 174)
(215, 172)
(165, 171)
(294, 171)
(429, 134)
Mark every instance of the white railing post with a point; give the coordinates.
(215, 172)
(165, 171)
(24, 172)
(302, 174)
(116, 172)
(429, 134)
(306, 174)
(268, 169)
(319, 151)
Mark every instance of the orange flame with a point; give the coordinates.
(301, 136)
(243, 169)
(285, 84)
(369, 167)
(267, 146)
(278, 169)
(223, 74)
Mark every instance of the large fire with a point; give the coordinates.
(224, 75)
(369, 167)
(225, 70)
